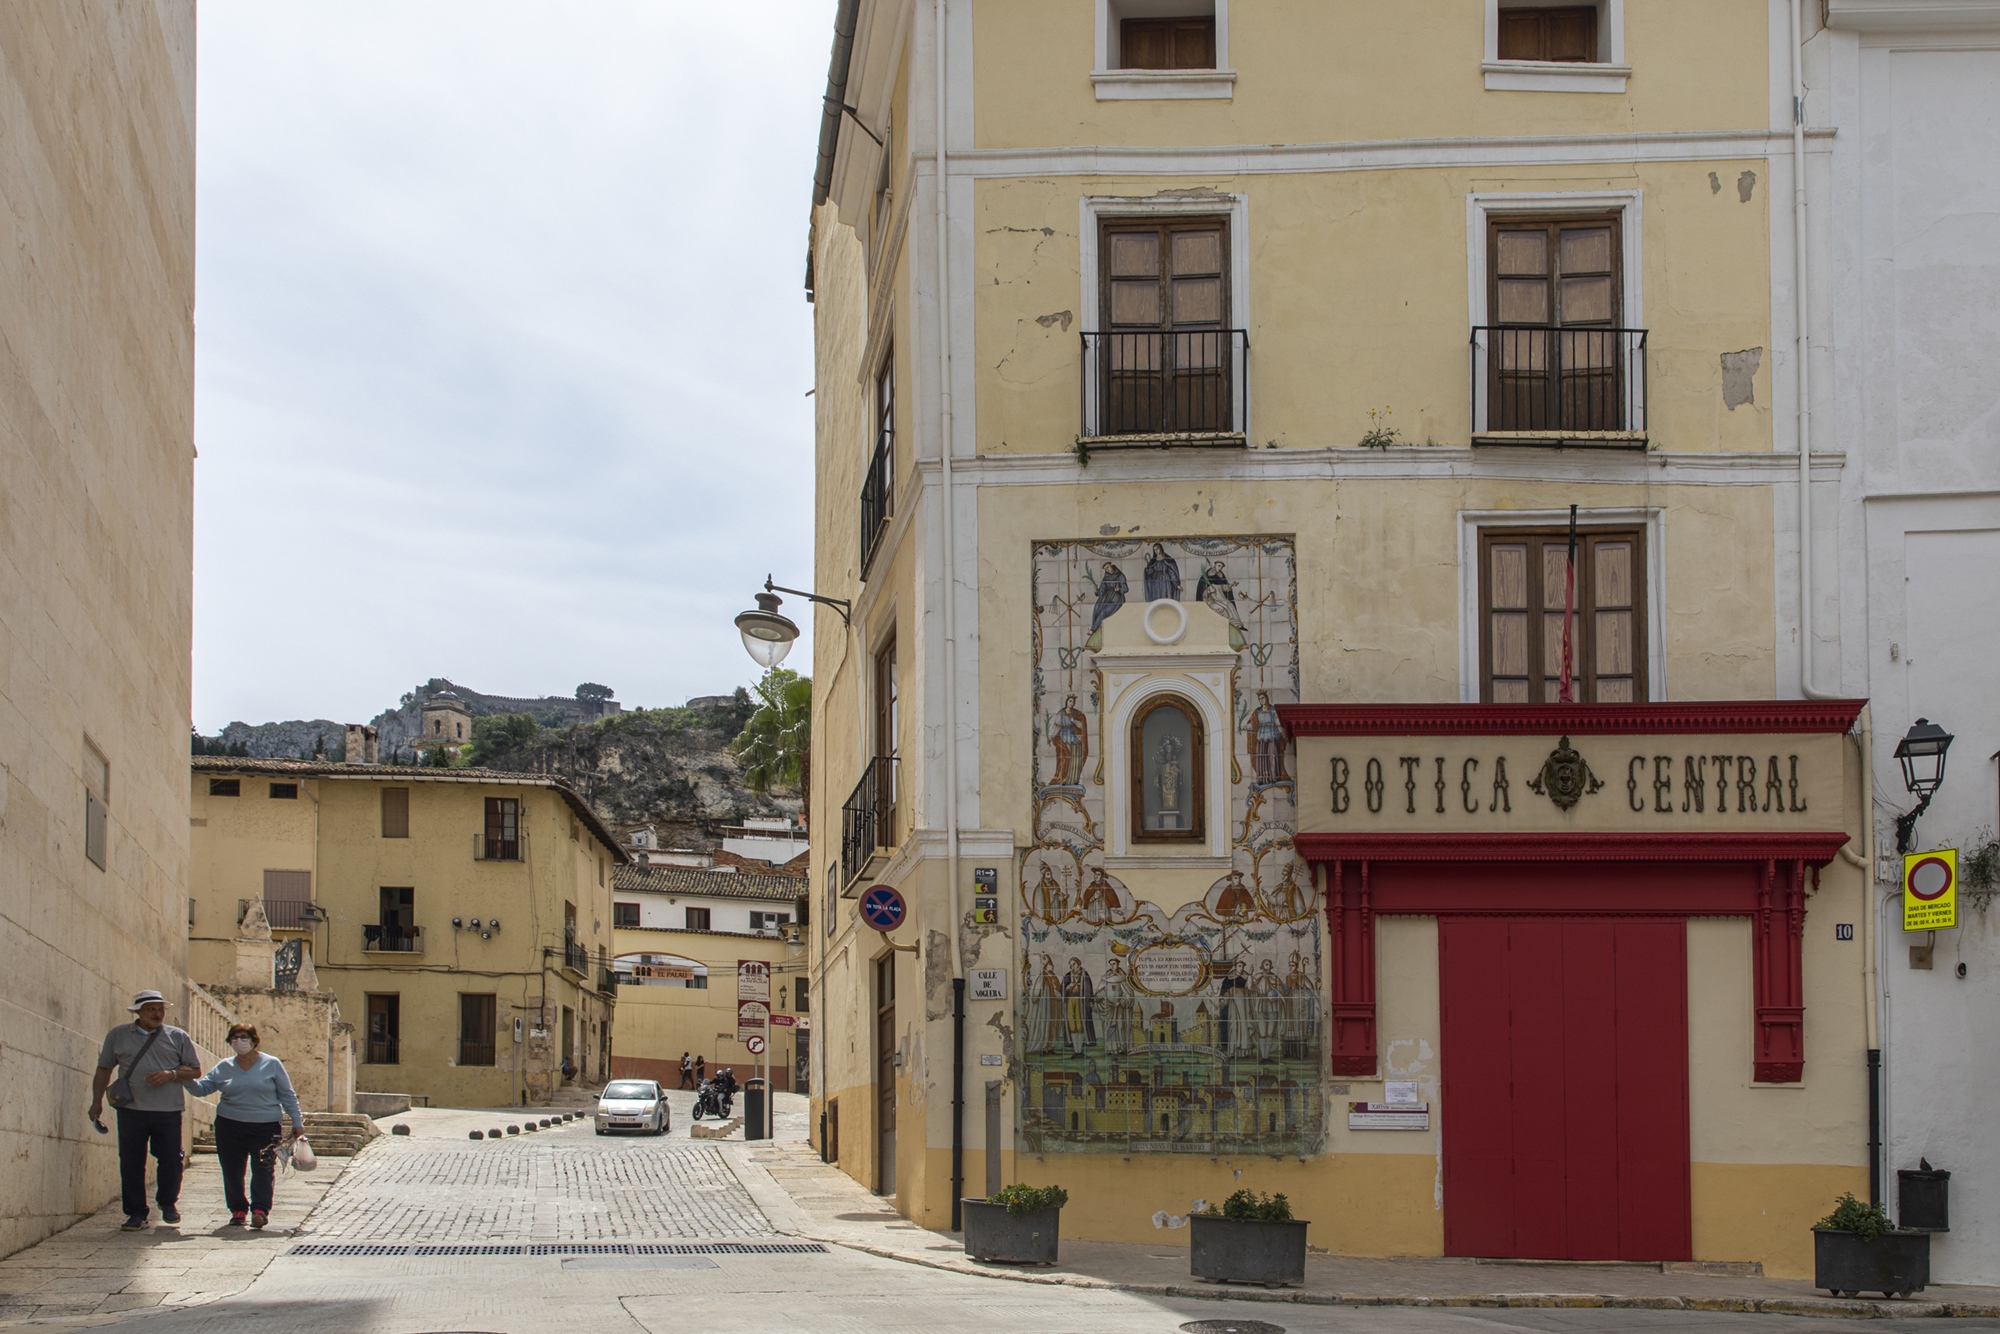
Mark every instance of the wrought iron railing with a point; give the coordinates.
(576, 958)
(878, 497)
(490, 848)
(1535, 378)
(868, 819)
(389, 938)
(289, 914)
(1156, 382)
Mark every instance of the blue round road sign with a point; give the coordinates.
(882, 908)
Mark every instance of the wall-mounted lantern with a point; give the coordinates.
(1921, 752)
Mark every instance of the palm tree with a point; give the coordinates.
(775, 745)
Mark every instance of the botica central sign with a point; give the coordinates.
(1618, 782)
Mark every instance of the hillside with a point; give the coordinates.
(668, 767)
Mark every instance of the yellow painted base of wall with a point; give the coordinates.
(1375, 1204)
(1765, 1211)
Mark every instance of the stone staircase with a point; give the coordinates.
(339, 1134)
(578, 1095)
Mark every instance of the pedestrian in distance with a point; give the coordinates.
(687, 1071)
(140, 1070)
(254, 1088)
(700, 1070)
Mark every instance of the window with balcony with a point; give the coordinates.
(286, 896)
(878, 485)
(1524, 586)
(1556, 361)
(1165, 365)
(502, 842)
(385, 1028)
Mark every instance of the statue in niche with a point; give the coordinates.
(1265, 732)
(1168, 759)
(1163, 576)
(1070, 732)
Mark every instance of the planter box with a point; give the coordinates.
(1894, 1264)
(993, 1234)
(1228, 1250)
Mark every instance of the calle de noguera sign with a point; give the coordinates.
(1730, 781)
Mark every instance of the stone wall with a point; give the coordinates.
(305, 1031)
(96, 565)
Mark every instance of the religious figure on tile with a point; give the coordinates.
(1043, 1012)
(1236, 900)
(1115, 1005)
(1079, 1000)
(1268, 1007)
(1111, 591)
(1100, 899)
(1215, 589)
(1050, 902)
(1163, 576)
(1070, 732)
(1265, 733)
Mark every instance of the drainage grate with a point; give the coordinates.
(1232, 1327)
(573, 1248)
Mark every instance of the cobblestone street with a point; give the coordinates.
(559, 1185)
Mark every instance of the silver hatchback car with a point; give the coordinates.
(633, 1104)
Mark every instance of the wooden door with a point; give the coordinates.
(1557, 361)
(1166, 354)
(885, 1074)
(1565, 1110)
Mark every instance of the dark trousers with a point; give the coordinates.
(687, 1077)
(254, 1143)
(139, 1133)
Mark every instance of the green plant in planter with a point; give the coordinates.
(1249, 1206)
(1867, 1221)
(1023, 1199)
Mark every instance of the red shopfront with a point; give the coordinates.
(1563, 851)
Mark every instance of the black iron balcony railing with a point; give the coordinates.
(289, 914)
(498, 847)
(868, 820)
(1540, 380)
(576, 958)
(393, 939)
(878, 498)
(1167, 382)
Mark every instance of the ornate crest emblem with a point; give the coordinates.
(1565, 778)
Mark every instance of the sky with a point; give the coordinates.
(502, 346)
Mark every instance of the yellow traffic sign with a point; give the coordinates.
(1930, 890)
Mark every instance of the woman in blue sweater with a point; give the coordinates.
(254, 1089)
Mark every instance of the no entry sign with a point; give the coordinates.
(882, 907)
(1930, 890)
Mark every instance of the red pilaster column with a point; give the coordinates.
(1351, 956)
(1779, 947)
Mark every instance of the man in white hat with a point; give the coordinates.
(142, 1066)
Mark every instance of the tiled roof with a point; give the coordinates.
(715, 884)
(223, 765)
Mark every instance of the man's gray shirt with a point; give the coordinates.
(173, 1049)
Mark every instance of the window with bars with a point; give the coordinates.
(286, 894)
(1560, 358)
(1521, 594)
(476, 1013)
(1166, 352)
(385, 1028)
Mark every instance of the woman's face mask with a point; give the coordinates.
(244, 1046)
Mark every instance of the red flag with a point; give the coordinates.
(1566, 691)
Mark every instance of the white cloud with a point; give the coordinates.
(501, 345)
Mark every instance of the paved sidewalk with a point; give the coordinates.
(805, 1197)
(93, 1274)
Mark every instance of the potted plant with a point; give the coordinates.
(1251, 1239)
(1856, 1250)
(1018, 1225)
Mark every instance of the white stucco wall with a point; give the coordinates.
(1912, 267)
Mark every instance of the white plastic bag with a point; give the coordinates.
(303, 1157)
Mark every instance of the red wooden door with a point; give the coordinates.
(1565, 1088)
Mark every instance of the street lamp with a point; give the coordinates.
(1921, 753)
(768, 634)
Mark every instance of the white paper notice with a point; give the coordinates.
(1401, 1093)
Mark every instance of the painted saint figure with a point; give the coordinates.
(1070, 732)
(1049, 902)
(1163, 576)
(1235, 899)
(1078, 1000)
(1232, 1016)
(1041, 1009)
(1111, 590)
(1303, 989)
(1114, 1009)
(1265, 733)
(1215, 589)
(1100, 900)
(1268, 1004)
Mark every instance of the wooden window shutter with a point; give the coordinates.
(1521, 579)
(1176, 43)
(1564, 33)
(395, 812)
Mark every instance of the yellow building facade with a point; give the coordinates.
(462, 916)
(1290, 417)
(682, 935)
(97, 468)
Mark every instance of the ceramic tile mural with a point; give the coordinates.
(1155, 1017)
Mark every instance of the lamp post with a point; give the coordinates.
(1921, 752)
(768, 634)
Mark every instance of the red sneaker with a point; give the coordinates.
(236, 1218)
(258, 1218)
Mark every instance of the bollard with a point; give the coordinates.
(475, 1135)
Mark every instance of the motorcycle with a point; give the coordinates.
(714, 1098)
